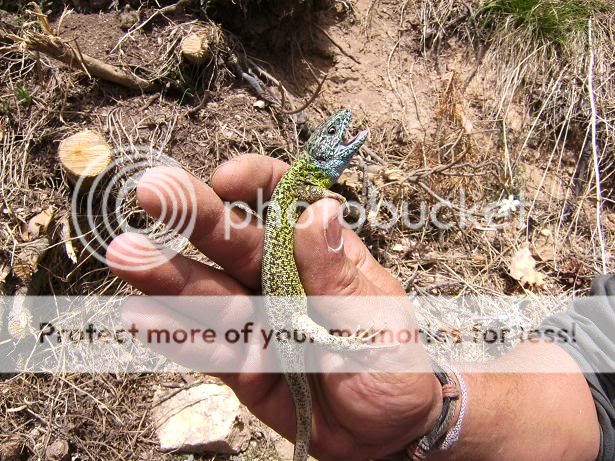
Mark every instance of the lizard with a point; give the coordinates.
(320, 164)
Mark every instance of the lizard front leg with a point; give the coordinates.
(310, 194)
(303, 324)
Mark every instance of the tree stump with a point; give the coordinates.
(84, 155)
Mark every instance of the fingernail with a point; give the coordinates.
(333, 234)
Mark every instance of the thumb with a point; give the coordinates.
(321, 252)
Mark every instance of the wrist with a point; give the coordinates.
(423, 406)
(445, 433)
(425, 416)
(528, 416)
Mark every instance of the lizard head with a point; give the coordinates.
(327, 149)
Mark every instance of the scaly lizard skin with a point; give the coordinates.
(319, 166)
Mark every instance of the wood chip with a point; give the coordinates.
(37, 225)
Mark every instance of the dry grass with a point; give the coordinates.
(537, 53)
(544, 53)
(101, 416)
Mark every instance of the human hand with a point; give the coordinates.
(355, 416)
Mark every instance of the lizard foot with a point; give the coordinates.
(361, 340)
(364, 338)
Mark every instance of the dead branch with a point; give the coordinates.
(71, 56)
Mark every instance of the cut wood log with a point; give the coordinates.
(195, 48)
(84, 154)
(199, 46)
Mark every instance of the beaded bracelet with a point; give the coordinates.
(418, 449)
(446, 431)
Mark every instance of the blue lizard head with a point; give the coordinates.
(327, 149)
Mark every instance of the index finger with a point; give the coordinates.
(241, 179)
(163, 193)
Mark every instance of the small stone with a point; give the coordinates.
(398, 248)
(128, 18)
(57, 451)
(260, 104)
(545, 232)
(202, 419)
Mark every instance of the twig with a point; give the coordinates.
(370, 153)
(42, 17)
(208, 96)
(594, 131)
(368, 16)
(444, 201)
(307, 104)
(337, 45)
(393, 86)
(417, 175)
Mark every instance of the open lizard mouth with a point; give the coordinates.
(359, 137)
(350, 141)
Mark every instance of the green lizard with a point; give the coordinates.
(322, 161)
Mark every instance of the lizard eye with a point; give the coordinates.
(331, 131)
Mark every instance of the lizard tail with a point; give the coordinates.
(300, 390)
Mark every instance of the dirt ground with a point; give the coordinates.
(437, 131)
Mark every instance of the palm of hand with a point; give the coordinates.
(356, 416)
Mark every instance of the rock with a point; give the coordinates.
(201, 419)
(260, 104)
(57, 451)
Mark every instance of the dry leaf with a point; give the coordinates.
(544, 245)
(523, 268)
(58, 451)
(545, 251)
(37, 225)
(398, 248)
